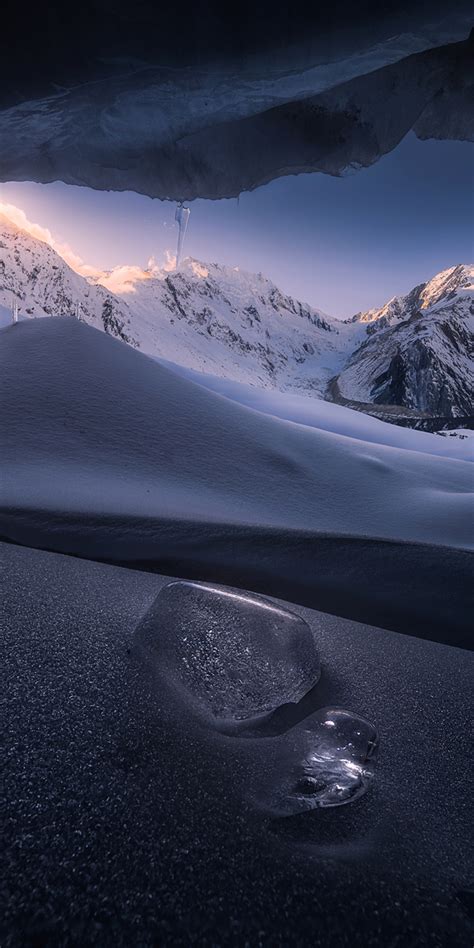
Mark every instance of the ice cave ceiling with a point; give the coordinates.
(190, 101)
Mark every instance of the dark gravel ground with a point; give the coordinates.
(126, 822)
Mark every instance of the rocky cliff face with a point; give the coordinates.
(419, 349)
(252, 94)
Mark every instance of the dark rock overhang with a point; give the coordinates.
(183, 102)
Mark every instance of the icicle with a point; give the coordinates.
(182, 218)
(15, 310)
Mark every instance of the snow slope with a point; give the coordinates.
(109, 455)
(316, 413)
(5, 316)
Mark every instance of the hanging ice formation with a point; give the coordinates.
(182, 217)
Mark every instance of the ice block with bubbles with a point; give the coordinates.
(233, 654)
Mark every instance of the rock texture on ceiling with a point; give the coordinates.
(187, 102)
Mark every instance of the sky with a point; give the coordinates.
(341, 244)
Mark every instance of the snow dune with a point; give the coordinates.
(109, 455)
(316, 413)
(5, 316)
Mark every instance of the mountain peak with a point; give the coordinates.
(446, 283)
(417, 352)
(441, 287)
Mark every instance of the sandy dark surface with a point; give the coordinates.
(126, 822)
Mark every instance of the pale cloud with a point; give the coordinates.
(198, 269)
(76, 263)
(19, 218)
(120, 280)
(170, 262)
(123, 280)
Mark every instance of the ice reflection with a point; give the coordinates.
(326, 761)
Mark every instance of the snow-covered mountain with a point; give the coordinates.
(441, 289)
(414, 353)
(419, 350)
(43, 284)
(239, 325)
(212, 318)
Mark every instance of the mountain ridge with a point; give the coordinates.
(407, 361)
(209, 317)
(442, 286)
(419, 350)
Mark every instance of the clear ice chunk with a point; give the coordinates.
(327, 760)
(233, 654)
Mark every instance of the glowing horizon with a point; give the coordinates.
(119, 279)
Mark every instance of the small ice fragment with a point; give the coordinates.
(233, 654)
(326, 761)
